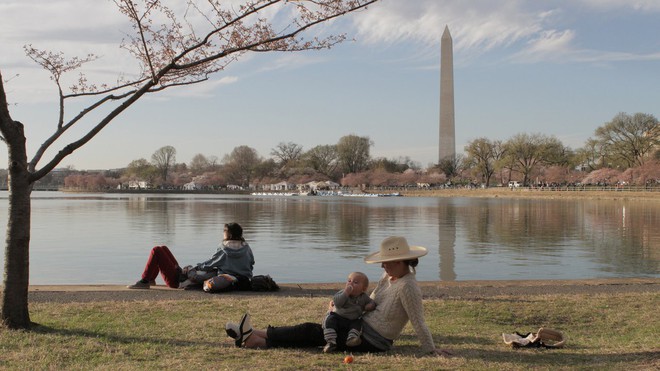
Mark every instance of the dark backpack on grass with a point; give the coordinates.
(264, 283)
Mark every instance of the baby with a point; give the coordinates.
(349, 304)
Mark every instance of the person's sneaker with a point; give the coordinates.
(241, 331)
(329, 347)
(152, 283)
(353, 340)
(139, 285)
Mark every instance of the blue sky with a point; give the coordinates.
(559, 68)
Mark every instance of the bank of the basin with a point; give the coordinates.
(430, 290)
(653, 194)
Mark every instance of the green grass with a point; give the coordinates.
(618, 331)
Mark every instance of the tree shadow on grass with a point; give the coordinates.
(553, 358)
(512, 300)
(445, 340)
(123, 339)
(535, 358)
(480, 348)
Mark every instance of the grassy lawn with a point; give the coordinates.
(618, 331)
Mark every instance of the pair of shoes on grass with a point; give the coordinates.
(239, 331)
(142, 284)
(352, 340)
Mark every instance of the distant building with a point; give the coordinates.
(281, 186)
(192, 186)
(320, 185)
(138, 184)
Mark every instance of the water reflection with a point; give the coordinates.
(105, 238)
(624, 237)
(447, 241)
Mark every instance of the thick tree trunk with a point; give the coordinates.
(16, 276)
(15, 312)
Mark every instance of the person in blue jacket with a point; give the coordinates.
(234, 257)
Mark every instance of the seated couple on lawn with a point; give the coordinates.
(396, 300)
(230, 268)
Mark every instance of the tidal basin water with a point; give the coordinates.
(105, 238)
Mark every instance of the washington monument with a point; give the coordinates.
(447, 142)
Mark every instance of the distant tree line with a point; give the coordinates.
(625, 150)
(623, 147)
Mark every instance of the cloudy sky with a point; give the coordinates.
(559, 68)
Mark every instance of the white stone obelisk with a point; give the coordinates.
(447, 148)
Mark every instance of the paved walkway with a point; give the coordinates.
(435, 289)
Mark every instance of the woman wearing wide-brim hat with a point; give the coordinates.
(398, 301)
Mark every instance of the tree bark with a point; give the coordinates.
(15, 312)
(17, 241)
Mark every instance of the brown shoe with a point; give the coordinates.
(330, 347)
(353, 341)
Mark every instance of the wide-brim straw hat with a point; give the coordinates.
(395, 248)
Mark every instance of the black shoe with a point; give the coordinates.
(139, 285)
(241, 331)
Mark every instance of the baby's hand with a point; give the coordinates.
(370, 306)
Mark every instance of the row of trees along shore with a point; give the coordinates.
(624, 151)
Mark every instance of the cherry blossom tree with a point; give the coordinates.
(433, 178)
(173, 49)
(646, 174)
(604, 176)
(354, 180)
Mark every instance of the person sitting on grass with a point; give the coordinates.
(398, 300)
(348, 306)
(233, 257)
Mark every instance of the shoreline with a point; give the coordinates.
(430, 290)
(651, 195)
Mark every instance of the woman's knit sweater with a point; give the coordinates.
(398, 302)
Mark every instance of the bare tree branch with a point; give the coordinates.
(173, 58)
(71, 147)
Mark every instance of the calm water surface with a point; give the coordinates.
(105, 238)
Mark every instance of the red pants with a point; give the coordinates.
(161, 260)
